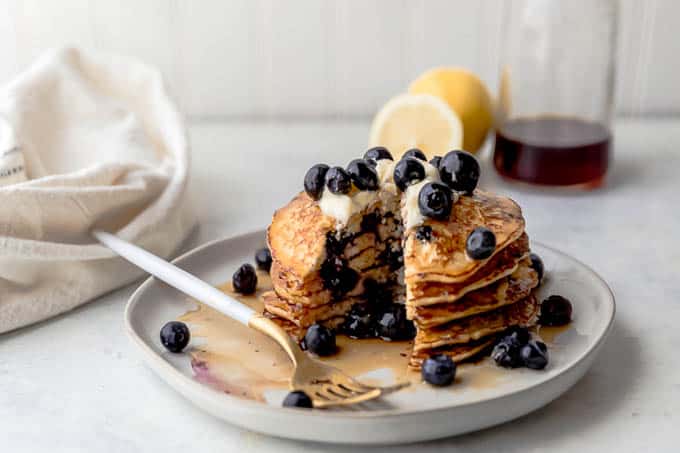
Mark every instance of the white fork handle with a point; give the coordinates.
(176, 277)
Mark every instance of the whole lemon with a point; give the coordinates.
(466, 95)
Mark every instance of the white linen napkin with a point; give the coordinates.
(85, 140)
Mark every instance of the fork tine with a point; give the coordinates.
(338, 391)
(347, 401)
(324, 393)
(355, 386)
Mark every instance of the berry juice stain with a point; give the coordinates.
(553, 151)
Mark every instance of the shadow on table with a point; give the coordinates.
(588, 403)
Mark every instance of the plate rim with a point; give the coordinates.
(179, 377)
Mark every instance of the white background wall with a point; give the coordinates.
(320, 58)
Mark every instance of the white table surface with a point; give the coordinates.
(75, 383)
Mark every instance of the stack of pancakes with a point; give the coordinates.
(457, 303)
(309, 251)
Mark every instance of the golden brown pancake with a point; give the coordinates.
(445, 254)
(305, 316)
(297, 237)
(457, 352)
(502, 292)
(522, 313)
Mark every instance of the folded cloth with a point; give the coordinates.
(86, 140)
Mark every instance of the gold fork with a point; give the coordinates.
(325, 385)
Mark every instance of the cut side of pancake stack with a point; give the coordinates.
(332, 252)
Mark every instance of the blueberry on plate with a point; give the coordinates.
(555, 311)
(392, 324)
(244, 279)
(424, 233)
(408, 171)
(435, 161)
(378, 153)
(534, 355)
(363, 175)
(263, 259)
(175, 336)
(435, 201)
(298, 399)
(506, 354)
(320, 340)
(439, 370)
(359, 322)
(315, 180)
(460, 171)
(338, 180)
(515, 335)
(414, 153)
(537, 265)
(480, 243)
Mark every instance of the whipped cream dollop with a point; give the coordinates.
(410, 212)
(343, 207)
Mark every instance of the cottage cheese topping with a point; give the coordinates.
(411, 215)
(343, 207)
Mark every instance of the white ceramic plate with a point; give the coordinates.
(422, 412)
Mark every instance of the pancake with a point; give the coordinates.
(457, 352)
(297, 237)
(305, 316)
(522, 313)
(445, 254)
(296, 332)
(503, 292)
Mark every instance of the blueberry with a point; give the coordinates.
(555, 311)
(506, 355)
(435, 201)
(338, 277)
(435, 161)
(338, 180)
(537, 265)
(370, 222)
(534, 355)
(359, 322)
(263, 259)
(460, 171)
(424, 233)
(480, 243)
(377, 295)
(175, 336)
(408, 171)
(394, 257)
(414, 153)
(244, 279)
(315, 180)
(363, 176)
(378, 153)
(439, 370)
(320, 340)
(393, 325)
(515, 335)
(297, 399)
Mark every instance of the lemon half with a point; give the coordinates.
(418, 121)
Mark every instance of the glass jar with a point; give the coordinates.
(556, 91)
